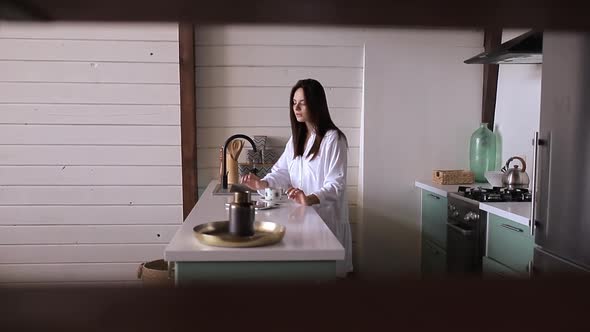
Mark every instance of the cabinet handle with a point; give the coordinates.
(512, 228)
(465, 232)
(434, 196)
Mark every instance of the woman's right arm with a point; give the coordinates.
(278, 176)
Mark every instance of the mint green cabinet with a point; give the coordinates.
(510, 245)
(434, 234)
(188, 273)
(434, 218)
(434, 260)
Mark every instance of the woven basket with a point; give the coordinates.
(155, 274)
(452, 177)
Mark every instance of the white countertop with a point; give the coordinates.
(306, 238)
(519, 212)
(443, 189)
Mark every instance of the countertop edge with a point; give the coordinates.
(284, 256)
(430, 188)
(505, 214)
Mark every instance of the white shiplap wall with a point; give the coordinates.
(244, 77)
(90, 167)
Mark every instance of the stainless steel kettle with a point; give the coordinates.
(515, 177)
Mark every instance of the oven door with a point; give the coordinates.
(463, 257)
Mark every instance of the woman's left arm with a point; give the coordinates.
(336, 159)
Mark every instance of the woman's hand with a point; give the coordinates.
(299, 196)
(253, 182)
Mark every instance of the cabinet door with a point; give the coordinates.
(494, 270)
(434, 259)
(509, 243)
(434, 218)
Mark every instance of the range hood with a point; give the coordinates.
(526, 48)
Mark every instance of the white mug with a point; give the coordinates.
(272, 194)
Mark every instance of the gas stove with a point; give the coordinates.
(495, 194)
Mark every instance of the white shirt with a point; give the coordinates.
(325, 177)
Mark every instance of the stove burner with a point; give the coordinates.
(496, 194)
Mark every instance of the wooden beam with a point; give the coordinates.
(492, 38)
(524, 14)
(188, 120)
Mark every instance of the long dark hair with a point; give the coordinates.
(317, 107)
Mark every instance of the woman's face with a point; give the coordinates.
(300, 106)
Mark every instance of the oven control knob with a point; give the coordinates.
(455, 214)
(470, 216)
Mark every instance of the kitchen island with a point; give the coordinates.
(308, 251)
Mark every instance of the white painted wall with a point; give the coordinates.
(90, 170)
(421, 105)
(244, 78)
(518, 107)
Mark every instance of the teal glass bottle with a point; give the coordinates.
(482, 152)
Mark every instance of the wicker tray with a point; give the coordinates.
(452, 177)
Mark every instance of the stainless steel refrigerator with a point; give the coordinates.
(561, 209)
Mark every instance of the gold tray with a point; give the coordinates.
(217, 234)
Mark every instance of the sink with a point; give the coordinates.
(231, 189)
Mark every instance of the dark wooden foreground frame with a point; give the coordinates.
(188, 121)
(543, 14)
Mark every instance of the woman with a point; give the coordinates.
(313, 165)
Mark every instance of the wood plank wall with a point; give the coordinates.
(90, 163)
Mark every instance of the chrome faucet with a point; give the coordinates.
(231, 138)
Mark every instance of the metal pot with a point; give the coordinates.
(515, 177)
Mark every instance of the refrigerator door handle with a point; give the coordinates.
(534, 184)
